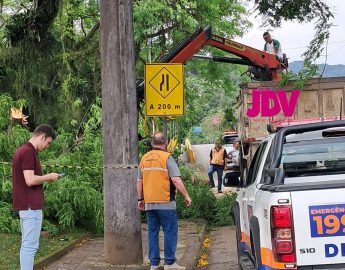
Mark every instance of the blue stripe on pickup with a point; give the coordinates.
(265, 267)
(242, 246)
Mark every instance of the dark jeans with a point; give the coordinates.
(168, 220)
(219, 169)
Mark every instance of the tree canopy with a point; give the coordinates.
(50, 50)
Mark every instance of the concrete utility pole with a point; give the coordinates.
(122, 229)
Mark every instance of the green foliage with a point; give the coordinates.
(75, 200)
(144, 146)
(224, 205)
(8, 222)
(229, 120)
(62, 66)
(176, 153)
(50, 58)
(286, 77)
(165, 23)
(49, 227)
(307, 72)
(204, 204)
(303, 11)
(186, 173)
(6, 103)
(11, 135)
(204, 100)
(6, 188)
(210, 132)
(32, 22)
(74, 203)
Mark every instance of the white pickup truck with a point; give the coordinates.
(290, 211)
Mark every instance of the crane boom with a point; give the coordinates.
(266, 62)
(263, 66)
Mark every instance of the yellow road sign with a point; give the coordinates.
(164, 89)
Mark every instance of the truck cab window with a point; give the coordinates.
(314, 157)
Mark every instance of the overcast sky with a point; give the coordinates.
(295, 37)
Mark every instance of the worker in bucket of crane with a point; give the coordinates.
(272, 46)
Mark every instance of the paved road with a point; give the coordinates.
(202, 154)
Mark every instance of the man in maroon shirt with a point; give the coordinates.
(27, 191)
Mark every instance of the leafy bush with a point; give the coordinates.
(6, 191)
(74, 203)
(9, 223)
(223, 215)
(186, 173)
(50, 227)
(204, 203)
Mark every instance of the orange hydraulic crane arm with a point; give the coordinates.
(262, 65)
(256, 57)
(249, 56)
(205, 37)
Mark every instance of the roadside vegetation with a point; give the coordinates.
(76, 200)
(216, 211)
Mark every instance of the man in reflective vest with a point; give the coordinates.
(158, 179)
(218, 163)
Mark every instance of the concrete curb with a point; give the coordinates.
(194, 245)
(45, 261)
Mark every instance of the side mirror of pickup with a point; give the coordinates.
(277, 175)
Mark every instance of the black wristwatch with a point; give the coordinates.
(139, 200)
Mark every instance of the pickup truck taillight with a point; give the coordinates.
(283, 243)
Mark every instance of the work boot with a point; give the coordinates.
(154, 267)
(174, 266)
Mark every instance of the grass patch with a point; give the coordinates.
(10, 245)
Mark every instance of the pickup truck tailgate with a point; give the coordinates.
(319, 226)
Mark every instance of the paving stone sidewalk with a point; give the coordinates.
(222, 254)
(90, 255)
